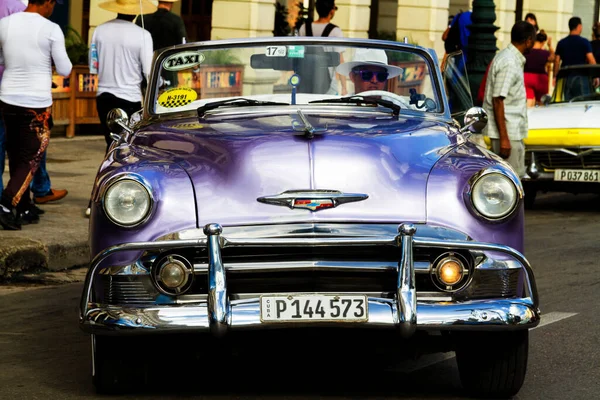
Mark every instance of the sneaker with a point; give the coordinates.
(8, 220)
(52, 195)
(88, 212)
(28, 217)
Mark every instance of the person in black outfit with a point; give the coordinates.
(167, 29)
(573, 49)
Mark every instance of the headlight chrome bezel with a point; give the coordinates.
(475, 179)
(134, 178)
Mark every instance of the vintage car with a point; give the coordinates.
(562, 150)
(315, 183)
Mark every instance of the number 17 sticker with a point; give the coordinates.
(276, 51)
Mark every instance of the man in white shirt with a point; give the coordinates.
(29, 44)
(124, 52)
(505, 99)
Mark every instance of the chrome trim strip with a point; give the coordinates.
(321, 229)
(406, 293)
(421, 267)
(561, 149)
(312, 242)
(497, 314)
(218, 302)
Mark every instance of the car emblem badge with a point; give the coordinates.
(313, 204)
(313, 200)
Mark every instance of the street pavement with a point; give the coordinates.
(59, 240)
(45, 355)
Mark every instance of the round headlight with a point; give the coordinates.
(494, 195)
(127, 202)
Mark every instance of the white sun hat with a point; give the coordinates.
(365, 56)
(129, 7)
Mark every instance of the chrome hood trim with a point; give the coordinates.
(319, 230)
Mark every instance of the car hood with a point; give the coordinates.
(233, 163)
(569, 124)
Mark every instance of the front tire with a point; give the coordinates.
(115, 364)
(491, 364)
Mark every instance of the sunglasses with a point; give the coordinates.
(366, 76)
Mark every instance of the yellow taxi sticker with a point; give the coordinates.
(177, 97)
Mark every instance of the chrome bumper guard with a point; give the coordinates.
(219, 314)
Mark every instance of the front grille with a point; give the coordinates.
(128, 289)
(492, 283)
(550, 160)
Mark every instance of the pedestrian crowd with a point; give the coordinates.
(32, 48)
(517, 78)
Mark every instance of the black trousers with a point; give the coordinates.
(27, 137)
(106, 102)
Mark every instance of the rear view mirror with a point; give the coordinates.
(475, 121)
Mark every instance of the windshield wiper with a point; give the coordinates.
(363, 100)
(238, 102)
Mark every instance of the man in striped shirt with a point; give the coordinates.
(505, 99)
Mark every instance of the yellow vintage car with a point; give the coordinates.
(562, 150)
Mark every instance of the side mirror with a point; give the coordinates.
(545, 100)
(475, 120)
(117, 121)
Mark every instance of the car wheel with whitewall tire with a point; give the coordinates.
(116, 365)
(492, 364)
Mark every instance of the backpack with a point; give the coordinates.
(453, 42)
(320, 77)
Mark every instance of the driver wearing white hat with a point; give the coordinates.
(369, 70)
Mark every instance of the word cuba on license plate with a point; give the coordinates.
(313, 307)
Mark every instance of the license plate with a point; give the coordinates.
(313, 308)
(576, 175)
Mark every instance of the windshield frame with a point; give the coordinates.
(161, 54)
(586, 70)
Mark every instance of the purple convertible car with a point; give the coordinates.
(313, 183)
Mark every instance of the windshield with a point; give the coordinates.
(579, 84)
(295, 74)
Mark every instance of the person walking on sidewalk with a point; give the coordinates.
(505, 98)
(40, 184)
(124, 53)
(29, 44)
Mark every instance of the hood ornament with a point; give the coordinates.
(313, 200)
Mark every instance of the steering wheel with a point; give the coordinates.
(430, 104)
(393, 97)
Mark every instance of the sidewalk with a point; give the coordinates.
(60, 240)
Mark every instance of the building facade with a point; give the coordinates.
(421, 21)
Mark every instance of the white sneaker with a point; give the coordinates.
(88, 212)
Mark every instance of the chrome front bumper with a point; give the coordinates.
(218, 313)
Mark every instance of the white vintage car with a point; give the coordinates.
(563, 145)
